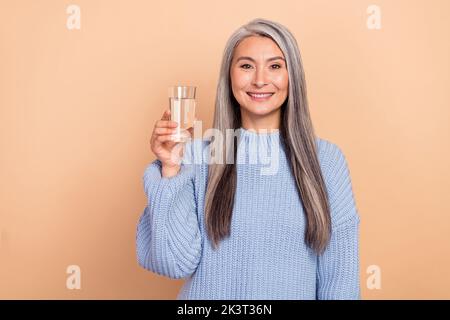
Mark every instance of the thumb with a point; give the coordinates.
(166, 115)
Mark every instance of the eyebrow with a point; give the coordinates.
(251, 59)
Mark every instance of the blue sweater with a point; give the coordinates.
(265, 256)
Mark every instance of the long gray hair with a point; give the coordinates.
(296, 134)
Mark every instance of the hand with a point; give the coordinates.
(168, 151)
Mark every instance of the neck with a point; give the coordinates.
(270, 123)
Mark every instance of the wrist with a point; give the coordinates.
(170, 171)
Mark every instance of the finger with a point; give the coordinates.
(166, 115)
(166, 124)
(171, 143)
(165, 138)
(160, 131)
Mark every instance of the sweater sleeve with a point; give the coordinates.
(168, 240)
(338, 265)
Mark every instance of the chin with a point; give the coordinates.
(260, 110)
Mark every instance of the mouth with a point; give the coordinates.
(260, 96)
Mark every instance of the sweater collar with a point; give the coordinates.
(261, 134)
(259, 146)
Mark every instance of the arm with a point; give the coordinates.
(168, 240)
(338, 266)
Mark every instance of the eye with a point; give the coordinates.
(245, 65)
(277, 66)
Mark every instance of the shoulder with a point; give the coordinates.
(336, 174)
(328, 149)
(331, 157)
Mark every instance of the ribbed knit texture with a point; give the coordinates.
(265, 256)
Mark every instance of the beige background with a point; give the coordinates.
(77, 108)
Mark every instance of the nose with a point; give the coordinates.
(259, 79)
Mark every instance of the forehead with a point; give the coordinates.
(256, 46)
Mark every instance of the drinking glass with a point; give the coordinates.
(182, 110)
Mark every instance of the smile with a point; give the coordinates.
(260, 96)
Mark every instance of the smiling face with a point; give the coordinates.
(259, 66)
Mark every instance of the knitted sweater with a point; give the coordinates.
(265, 256)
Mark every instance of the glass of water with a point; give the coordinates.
(182, 110)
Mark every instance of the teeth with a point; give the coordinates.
(261, 95)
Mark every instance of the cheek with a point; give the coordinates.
(240, 80)
(281, 81)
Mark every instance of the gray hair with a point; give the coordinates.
(296, 133)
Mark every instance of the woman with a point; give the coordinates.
(233, 231)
